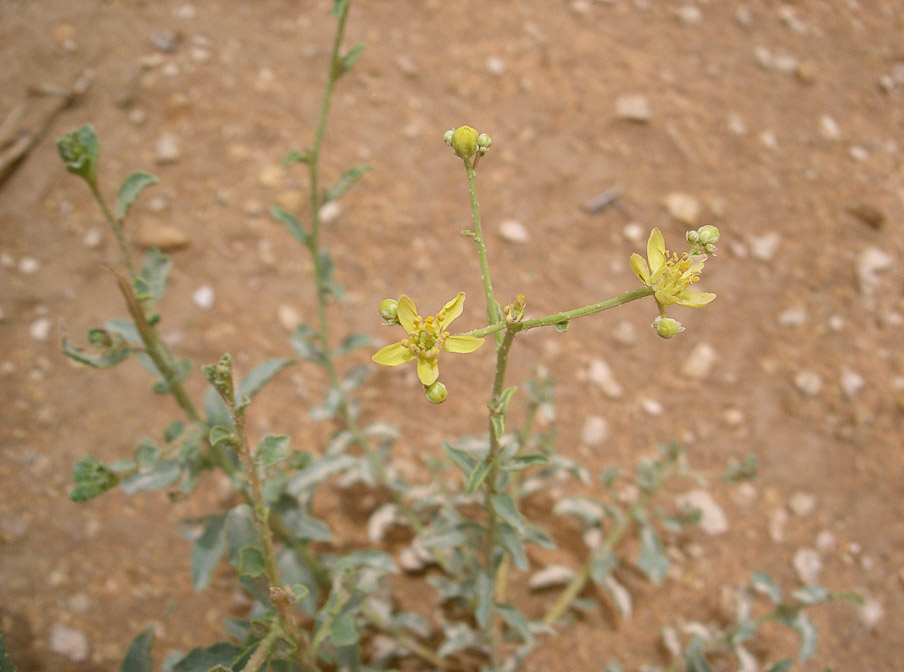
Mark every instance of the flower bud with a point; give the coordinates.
(389, 311)
(708, 235)
(80, 151)
(484, 142)
(447, 137)
(464, 142)
(666, 327)
(692, 237)
(436, 393)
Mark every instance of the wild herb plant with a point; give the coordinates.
(316, 609)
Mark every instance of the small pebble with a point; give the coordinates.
(330, 212)
(625, 333)
(634, 231)
(745, 494)
(765, 246)
(828, 128)
(683, 207)
(204, 297)
(808, 382)
(288, 317)
(858, 153)
(495, 66)
(801, 503)
(600, 374)
(825, 541)
(271, 176)
(39, 330)
(513, 231)
(713, 520)
(777, 523)
(186, 11)
(93, 238)
(851, 383)
(690, 14)
(870, 263)
(867, 213)
(164, 41)
(29, 266)
(792, 317)
(734, 417)
(69, 642)
(164, 237)
(808, 565)
(554, 575)
(595, 431)
(633, 107)
(769, 140)
(871, 613)
(166, 149)
(736, 124)
(651, 406)
(700, 362)
(137, 116)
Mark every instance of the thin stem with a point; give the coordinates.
(404, 638)
(493, 313)
(264, 647)
(116, 227)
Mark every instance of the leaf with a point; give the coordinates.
(297, 157)
(271, 449)
(343, 631)
(805, 629)
(92, 478)
(208, 551)
(251, 561)
(652, 560)
(138, 657)
(260, 375)
(80, 151)
(782, 665)
(516, 621)
(339, 7)
(303, 525)
(151, 281)
(130, 190)
(219, 434)
(203, 659)
(512, 543)
(613, 666)
(764, 583)
(693, 654)
(602, 562)
(291, 223)
(620, 596)
(477, 476)
(505, 508)
(353, 342)
(349, 177)
(588, 511)
(522, 462)
(164, 474)
(484, 593)
(305, 344)
(462, 459)
(317, 472)
(353, 379)
(111, 357)
(812, 595)
(349, 59)
(561, 327)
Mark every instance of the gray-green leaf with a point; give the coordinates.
(130, 190)
(138, 657)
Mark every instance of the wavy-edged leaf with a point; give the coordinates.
(271, 449)
(131, 189)
(652, 560)
(92, 478)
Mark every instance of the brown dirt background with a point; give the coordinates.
(741, 135)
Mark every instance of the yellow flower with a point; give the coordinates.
(426, 338)
(670, 275)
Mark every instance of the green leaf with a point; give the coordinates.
(477, 476)
(298, 519)
(511, 540)
(812, 595)
(505, 508)
(80, 151)
(515, 620)
(522, 462)
(318, 471)
(764, 583)
(251, 561)
(92, 478)
(297, 157)
(613, 666)
(484, 593)
(693, 654)
(602, 562)
(805, 629)
(652, 560)
(292, 224)
(343, 631)
(219, 434)
(339, 7)
(208, 551)
(151, 281)
(163, 475)
(349, 177)
(561, 327)
(305, 343)
(742, 471)
(203, 659)
(260, 375)
(130, 190)
(272, 449)
(352, 342)
(147, 454)
(462, 459)
(782, 665)
(111, 357)
(138, 657)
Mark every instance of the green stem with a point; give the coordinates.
(116, 227)
(493, 313)
(264, 647)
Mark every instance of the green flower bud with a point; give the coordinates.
(708, 235)
(692, 237)
(389, 311)
(464, 142)
(436, 393)
(447, 137)
(80, 151)
(666, 327)
(484, 142)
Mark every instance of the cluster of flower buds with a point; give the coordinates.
(703, 240)
(466, 143)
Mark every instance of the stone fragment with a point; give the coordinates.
(271, 176)
(828, 128)
(595, 431)
(330, 212)
(765, 246)
(871, 612)
(39, 330)
(600, 374)
(204, 297)
(683, 207)
(792, 317)
(801, 503)
(93, 238)
(634, 231)
(69, 642)
(625, 333)
(777, 522)
(713, 520)
(165, 237)
(700, 362)
(651, 406)
(807, 564)
(633, 107)
(164, 41)
(870, 263)
(867, 213)
(808, 382)
(29, 266)
(513, 231)
(690, 15)
(825, 541)
(851, 383)
(495, 66)
(288, 317)
(166, 149)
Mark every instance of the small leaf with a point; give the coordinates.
(163, 475)
(80, 151)
(812, 595)
(522, 462)
(613, 666)
(347, 180)
(318, 471)
(805, 629)
(352, 342)
(483, 589)
(349, 59)
(343, 631)
(92, 478)
(130, 190)
(512, 543)
(602, 562)
(219, 434)
(620, 596)
(203, 659)
(515, 620)
(251, 561)
(302, 523)
(505, 508)
(782, 665)
(477, 476)
(462, 459)
(764, 583)
(305, 343)
(297, 157)
(338, 7)
(138, 657)
(151, 281)
(260, 375)
(271, 449)
(694, 657)
(561, 327)
(208, 551)
(111, 356)
(652, 560)
(291, 223)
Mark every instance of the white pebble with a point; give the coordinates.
(513, 231)
(683, 207)
(600, 374)
(734, 417)
(871, 613)
(288, 317)
(595, 431)
(700, 362)
(808, 565)
(495, 66)
(69, 642)
(745, 494)
(851, 382)
(858, 153)
(625, 333)
(736, 124)
(690, 14)
(713, 520)
(769, 139)
(29, 266)
(554, 575)
(801, 503)
(651, 406)
(792, 317)
(166, 149)
(825, 541)
(93, 238)
(633, 107)
(39, 330)
(634, 231)
(828, 128)
(870, 263)
(330, 212)
(764, 247)
(204, 297)
(777, 523)
(808, 382)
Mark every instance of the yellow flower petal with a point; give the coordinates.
(693, 299)
(452, 309)
(408, 314)
(427, 370)
(656, 250)
(640, 268)
(462, 344)
(393, 355)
